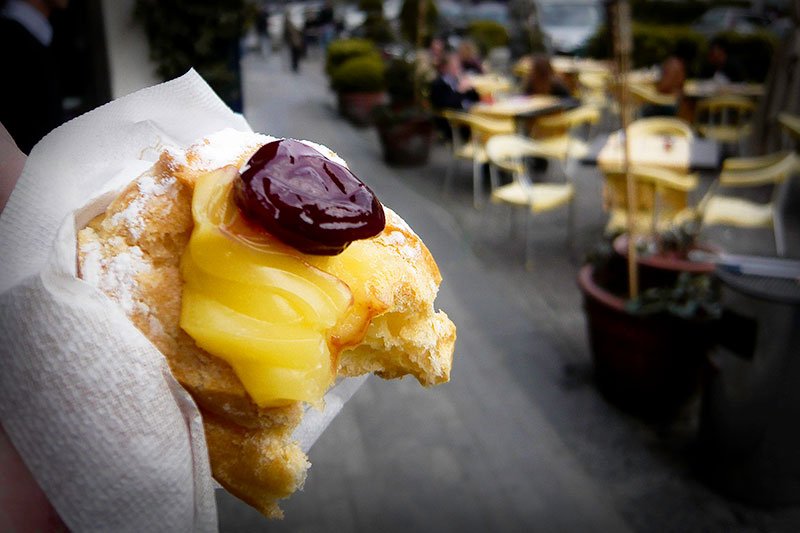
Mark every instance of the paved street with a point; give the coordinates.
(520, 440)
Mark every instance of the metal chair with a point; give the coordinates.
(750, 173)
(510, 151)
(473, 149)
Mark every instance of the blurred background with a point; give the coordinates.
(627, 360)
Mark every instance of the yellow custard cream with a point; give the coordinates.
(260, 305)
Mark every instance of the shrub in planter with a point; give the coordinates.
(405, 128)
(359, 75)
(488, 34)
(409, 19)
(376, 28)
(648, 351)
(359, 83)
(341, 50)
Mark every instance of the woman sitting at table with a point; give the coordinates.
(673, 75)
(542, 79)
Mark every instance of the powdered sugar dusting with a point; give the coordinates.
(132, 216)
(408, 249)
(176, 156)
(225, 147)
(115, 275)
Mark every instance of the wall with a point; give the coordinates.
(129, 66)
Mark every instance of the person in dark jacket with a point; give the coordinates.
(30, 98)
(720, 66)
(451, 90)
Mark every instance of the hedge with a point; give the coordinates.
(341, 50)
(364, 74)
(488, 34)
(653, 43)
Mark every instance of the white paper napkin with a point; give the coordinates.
(87, 400)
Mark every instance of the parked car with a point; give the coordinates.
(568, 25)
(738, 19)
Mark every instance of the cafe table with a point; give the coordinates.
(522, 109)
(663, 151)
(489, 85)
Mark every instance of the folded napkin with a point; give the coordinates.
(87, 400)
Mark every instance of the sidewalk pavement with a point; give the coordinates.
(519, 440)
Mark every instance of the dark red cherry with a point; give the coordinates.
(306, 200)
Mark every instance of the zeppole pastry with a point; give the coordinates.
(263, 269)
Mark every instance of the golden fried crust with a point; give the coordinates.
(259, 466)
(132, 252)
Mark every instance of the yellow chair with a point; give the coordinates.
(481, 129)
(510, 151)
(662, 199)
(643, 94)
(751, 173)
(724, 118)
(660, 126)
(556, 131)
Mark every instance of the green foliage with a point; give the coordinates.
(364, 74)
(691, 298)
(651, 44)
(679, 240)
(488, 34)
(377, 29)
(401, 81)
(409, 20)
(342, 50)
(754, 52)
(204, 35)
(370, 6)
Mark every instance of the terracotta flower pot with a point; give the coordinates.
(646, 364)
(357, 107)
(406, 143)
(661, 269)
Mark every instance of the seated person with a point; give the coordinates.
(543, 79)
(470, 59)
(719, 66)
(674, 71)
(450, 90)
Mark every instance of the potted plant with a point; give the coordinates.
(359, 83)
(649, 350)
(405, 127)
(662, 257)
(648, 347)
